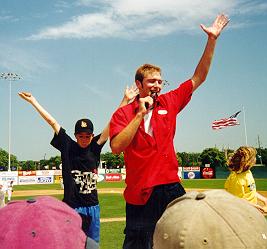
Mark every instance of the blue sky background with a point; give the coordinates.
(76, 57)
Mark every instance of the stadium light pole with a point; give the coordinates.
(245, 126)
(9, 77)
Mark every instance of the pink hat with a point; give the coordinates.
(43, 222)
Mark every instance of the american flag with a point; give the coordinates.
(225, 122)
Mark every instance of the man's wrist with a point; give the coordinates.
(140, 115)
(212, 37)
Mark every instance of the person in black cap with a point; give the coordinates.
(80, 161)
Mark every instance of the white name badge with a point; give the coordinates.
(162, 112)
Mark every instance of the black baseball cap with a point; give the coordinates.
(84, 125)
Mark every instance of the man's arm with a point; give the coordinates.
(46, 116)
(129, 94)
(121, 141)
(203, 66)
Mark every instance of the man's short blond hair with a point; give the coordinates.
(144, 70)
(243, 159)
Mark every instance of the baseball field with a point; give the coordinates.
(112, 203)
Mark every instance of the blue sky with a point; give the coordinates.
(76, 57)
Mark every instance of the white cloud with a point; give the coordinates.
(252, 8)
(130, 19)
(8, 18)
(84, 26)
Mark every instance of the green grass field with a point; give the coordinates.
(218, 184)
(111, 235)
(113, 205)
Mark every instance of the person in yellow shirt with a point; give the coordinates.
(241, 182)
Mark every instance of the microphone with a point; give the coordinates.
(154, 96)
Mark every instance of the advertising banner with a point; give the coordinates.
(7, 179)
(8, 176)
(113, 171)
(27, 173)
(25, 180)
(208, 173)
(113, 177)
(45, 172)
(191, 172)
(57, 172)
(8, 173)
(44, 179)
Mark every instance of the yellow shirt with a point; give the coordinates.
(242, 185)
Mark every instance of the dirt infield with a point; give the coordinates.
(60, 192)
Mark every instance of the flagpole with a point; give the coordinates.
(245, 126)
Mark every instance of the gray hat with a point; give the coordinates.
(212, 219)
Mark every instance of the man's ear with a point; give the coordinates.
(139, 84)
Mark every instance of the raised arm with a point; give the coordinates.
(46, 116)
(129, 94)
(203, 66)
(121, 141)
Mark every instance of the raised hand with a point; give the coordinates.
(218, 25)
(27, 96)
(131, 92)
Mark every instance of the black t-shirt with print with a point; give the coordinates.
(79, 169)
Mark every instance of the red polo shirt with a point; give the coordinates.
(151, 161)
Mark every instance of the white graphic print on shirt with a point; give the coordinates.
(86, 180)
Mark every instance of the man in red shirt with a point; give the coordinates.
(144, 131)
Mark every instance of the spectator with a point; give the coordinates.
(212, 219)
(241, 182)
(44, 223)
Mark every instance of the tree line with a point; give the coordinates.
(212, 156)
